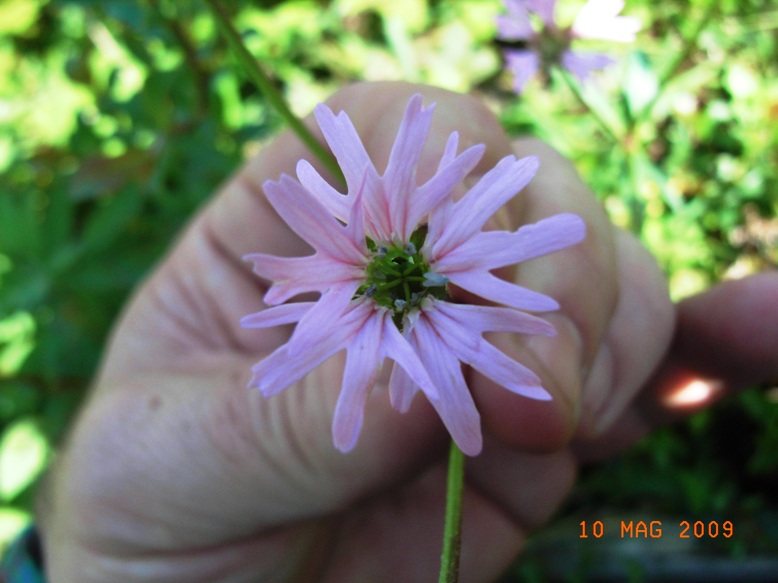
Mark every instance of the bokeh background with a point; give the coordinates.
(119, 118)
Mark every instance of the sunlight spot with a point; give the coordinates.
(695, 392)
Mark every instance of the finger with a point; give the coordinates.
(583, 280)
(726, 339)
(633, 344)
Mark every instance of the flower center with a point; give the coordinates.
(399, 278)
(551, 44)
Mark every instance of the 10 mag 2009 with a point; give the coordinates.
(655, 529)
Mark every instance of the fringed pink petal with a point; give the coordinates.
(481, 319)
(355, 227)
(494, 189)
(544, 9)
(397, 347)
(524, 65)
(401, 389)
(436, 189)
(292, 276)
(498, 290)
(362, 361)
(336, 305)
(492, 249)
(505, 371)
(400, 176)
(583, 64)
(313, 341)
(450, 151)
(474, 350)
(277, 316)
(311, 221)
(346, 145)
(336, 203)
(516, 24)
(455, 405)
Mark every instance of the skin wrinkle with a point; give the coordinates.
(105, 459)
(215, 333)
(270, 221)
(282, 418)
(222, 250)
(230, 334)
(243, 549)
(238, 442)
(181, 330)
(305, 450)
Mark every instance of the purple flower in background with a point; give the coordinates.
(549, 45)
(385, 255)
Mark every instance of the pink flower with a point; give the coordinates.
(550, 45)
(385, 253)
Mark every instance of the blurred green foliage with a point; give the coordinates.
(118, 119)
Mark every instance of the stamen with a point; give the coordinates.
(432, 279)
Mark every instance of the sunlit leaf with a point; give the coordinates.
(641, 85)
(12, 522)
(16, 16)
(24, 452)
(16, 341)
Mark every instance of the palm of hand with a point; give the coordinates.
(176, 471)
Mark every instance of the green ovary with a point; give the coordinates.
(399, 278)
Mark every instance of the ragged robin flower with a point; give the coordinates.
(387, 253)
(542, 44)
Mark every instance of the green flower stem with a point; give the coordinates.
(452, 532)
(274, 98)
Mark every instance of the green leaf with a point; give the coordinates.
(641, 85)
(17, 399)
(19, 228)
(110, 220)
(17, 16)
(12, 522)
(24, 452)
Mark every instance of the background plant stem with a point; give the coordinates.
(274, 98)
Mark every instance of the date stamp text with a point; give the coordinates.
(655, 529)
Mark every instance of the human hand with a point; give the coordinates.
(175, 471)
